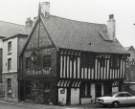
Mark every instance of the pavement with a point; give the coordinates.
(24, 105)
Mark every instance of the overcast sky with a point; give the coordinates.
(95, 11)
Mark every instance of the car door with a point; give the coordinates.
(130, 99)
(121, 98)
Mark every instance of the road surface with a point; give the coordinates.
(4, 105)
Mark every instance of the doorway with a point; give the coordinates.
(98, 90)
(68, 96)
(107, 89)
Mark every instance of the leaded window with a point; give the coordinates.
(87, 60)
(47, 61)
(114, 61)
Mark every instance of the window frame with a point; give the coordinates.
(114, 62)
(9, 66)
(87, 60)
(48, 59)
(102, 61)
(9, 87)
(27, 62)
(85, 90)
(9, 47)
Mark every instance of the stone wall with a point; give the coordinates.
(14, 86)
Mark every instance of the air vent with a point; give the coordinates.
(92, 43)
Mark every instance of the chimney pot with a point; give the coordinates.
(111, 16)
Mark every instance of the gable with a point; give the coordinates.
(39, 38)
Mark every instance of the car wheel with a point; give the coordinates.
(116, 104)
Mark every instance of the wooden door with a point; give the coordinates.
(98, 90)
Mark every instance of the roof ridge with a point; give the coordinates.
(11, 23)
(77, 20)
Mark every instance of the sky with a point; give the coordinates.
(93, 11)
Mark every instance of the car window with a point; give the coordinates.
(123, 95)
(120, 95)
(128, 95)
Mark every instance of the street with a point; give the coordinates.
(5, 105)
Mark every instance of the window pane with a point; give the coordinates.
(9, 46)
(9, 87)
(9, 64)
(102, 61)
(47, 61)
(87, 60)
(115, 61)
(27, 62)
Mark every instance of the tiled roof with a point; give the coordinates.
(8, 29)
(82, 36)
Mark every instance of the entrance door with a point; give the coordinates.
(68, 95)
(98, 90)
(107, 89)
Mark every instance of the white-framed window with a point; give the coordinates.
(9, 64)
(9, 87)
(9, 47)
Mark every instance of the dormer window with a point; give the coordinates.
(9, 47)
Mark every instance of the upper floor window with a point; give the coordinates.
(28, 62)
(87, 60)
(47, 61)
(102, 61)
(9, 63)
(115, 61)
(9, 47)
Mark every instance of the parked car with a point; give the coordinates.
(117, 99)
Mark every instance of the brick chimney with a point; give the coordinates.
(111, 27)
(45, 8)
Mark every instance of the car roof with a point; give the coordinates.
(121, 93)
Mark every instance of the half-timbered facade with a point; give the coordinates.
(70, 62)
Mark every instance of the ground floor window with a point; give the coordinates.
(9, 87)
(85, 89)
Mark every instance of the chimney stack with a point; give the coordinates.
(28, 25)
(29, 22)
(45, 8)
(111, 27)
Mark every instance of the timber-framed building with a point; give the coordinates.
(70, 62)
